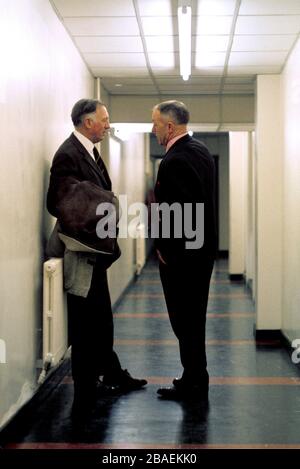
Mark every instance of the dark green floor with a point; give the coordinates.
(254, 394)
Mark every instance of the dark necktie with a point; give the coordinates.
(98, 159)
(96, 154)
(102, 167)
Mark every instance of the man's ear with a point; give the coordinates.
(171, 127)
(87, 122)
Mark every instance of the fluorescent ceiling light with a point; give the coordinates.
(185, 40)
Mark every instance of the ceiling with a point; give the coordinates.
(133, 44)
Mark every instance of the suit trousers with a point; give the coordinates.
(91, 334)
(186, 289)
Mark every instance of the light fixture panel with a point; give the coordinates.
(184, 14)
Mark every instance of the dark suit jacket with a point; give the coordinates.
(187, 175)
(73, 161)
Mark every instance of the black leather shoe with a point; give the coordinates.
(124, 382)
(105, 390)
(194, 392)
(203, 382)
(177, 382)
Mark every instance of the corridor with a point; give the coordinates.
(254, 393)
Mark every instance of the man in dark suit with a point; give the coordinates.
(186, 178)
(90, 317)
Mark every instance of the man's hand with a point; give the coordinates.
(160, 257)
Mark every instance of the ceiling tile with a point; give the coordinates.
(254, 69)
(257, 58)
(160, 26)
(192, 80)
(162, 60)
(109, 44)
(107, 34)
(119, 71)
(207, 71)
(94, 7)
(160, 71)
(157, 8)
(261, 43)
(102, 26)
(111, 81)
(130, 89)
(268, 25)
(211, 43)
(165, 81)
(209, 25)
(193, 88)
(163, 7)
(270, 7)
(162, 43)
(188, 91)
(115, 60)
(210, 59)
(216, 7)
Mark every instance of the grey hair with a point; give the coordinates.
(82, 108)
(175, 110)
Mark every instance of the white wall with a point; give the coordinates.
(238, 155)
(41, 77)
(250, 241)
(218, 144)
(126, 164)
(269, 167)
(291, 196)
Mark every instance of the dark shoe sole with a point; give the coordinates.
(124, 387)
(180, 395)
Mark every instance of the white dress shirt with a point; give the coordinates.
(88, 145)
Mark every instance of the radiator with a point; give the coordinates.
(140, 247)
(55, 327)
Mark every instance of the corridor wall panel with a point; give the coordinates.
(41, 77)
(291, 196)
